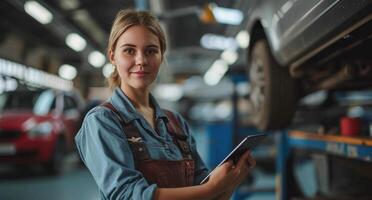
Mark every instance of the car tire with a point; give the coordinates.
(273, 93)
(55, 165)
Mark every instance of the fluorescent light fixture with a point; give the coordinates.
(96, 59)
(33, 76)
(11, 84)
(12, 69)
(7, 84)
(229, 56)
(75, 42)
(67, 71)
(227, 15)
(170, 92)
(215, 72)
(285, 8)
(243, 39)
(218, 42)
(107, 70)
(38, 12)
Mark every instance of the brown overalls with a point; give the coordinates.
(165, 173)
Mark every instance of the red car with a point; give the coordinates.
(38, 127)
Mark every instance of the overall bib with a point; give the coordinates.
(165, 173)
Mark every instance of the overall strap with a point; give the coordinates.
(134, 139)
(179, 136)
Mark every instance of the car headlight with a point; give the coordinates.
(42, 129)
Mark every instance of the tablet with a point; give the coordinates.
(248, 143)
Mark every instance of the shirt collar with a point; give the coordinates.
(159, 112)
(125, 107)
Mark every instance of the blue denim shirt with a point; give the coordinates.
(105, 151)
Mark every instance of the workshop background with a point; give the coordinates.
(298, 70)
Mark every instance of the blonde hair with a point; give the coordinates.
(125, 19)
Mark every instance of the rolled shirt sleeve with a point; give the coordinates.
(106, 153)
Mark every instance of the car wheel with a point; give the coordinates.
(272, 89)
(55, 165)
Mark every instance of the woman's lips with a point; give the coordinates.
(140, 73)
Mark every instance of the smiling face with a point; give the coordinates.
(137, 57)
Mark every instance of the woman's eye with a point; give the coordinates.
(152, 51)
(129, 51)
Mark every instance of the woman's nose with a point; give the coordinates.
(141, 59)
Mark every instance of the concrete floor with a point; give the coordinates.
(75, 183)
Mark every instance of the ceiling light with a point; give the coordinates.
(227, 15)
(215, 72)
(170, 92)
(242, 39)
(75, 42)
(8, 84)
(38, 12)
(12, 69)
(223, 109)
(86, 21)
(107, 70)
(230, 56)
(32, 76)
(69, 4)
(67, 71)
(218, 42)
(96, 59)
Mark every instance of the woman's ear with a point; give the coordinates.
(111, 56)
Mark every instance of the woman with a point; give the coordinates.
(133, 148)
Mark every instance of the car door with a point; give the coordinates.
(71, 117)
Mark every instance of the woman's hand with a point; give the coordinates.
(228, 176)
(221, 184)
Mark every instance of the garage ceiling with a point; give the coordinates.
(25, 40)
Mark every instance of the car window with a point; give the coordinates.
(24, 100)
(69, 103)
(54, 104)
(44, 103)
(2, 100)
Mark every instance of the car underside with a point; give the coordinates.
(344, 65)
(339, 60)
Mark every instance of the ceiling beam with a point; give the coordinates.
(61, 28)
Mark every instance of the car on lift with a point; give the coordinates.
(38, 127)
(301, 46)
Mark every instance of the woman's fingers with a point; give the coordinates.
(245, 164)
(251, 161)
(224, 169)
(231, 175)
(223, 176)
(229, 165)
(243, 160)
